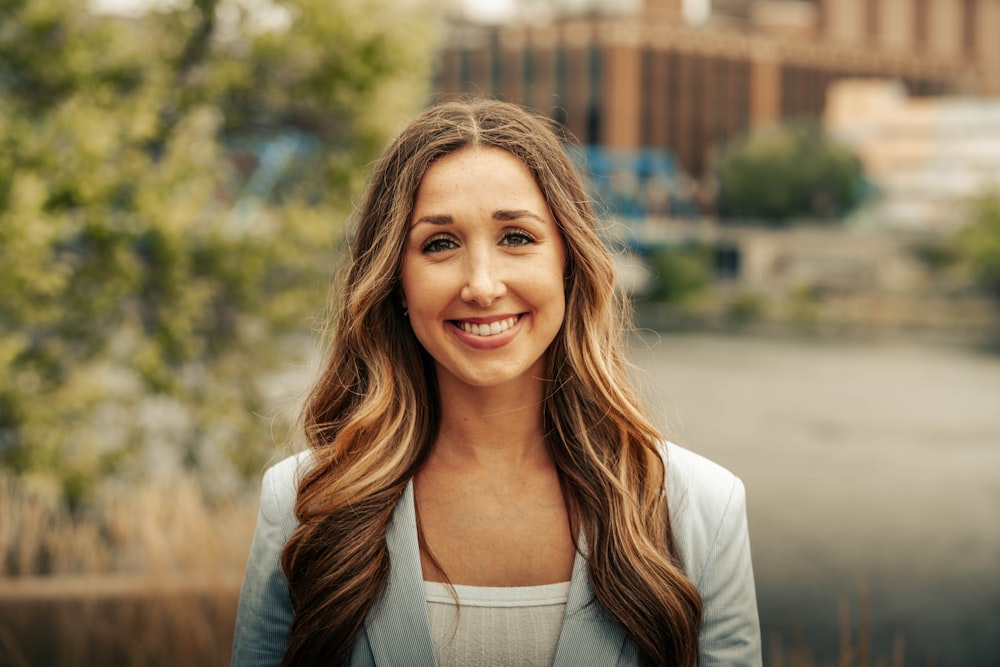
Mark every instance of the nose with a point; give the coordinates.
(483, 284)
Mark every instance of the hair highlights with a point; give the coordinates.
(373, 414)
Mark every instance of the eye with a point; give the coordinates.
(439, 243)
(516, 237)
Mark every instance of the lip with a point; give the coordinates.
(487, 342)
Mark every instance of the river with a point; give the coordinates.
(872, 473)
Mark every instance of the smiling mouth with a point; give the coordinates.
(490, 329)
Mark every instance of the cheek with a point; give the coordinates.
(562, 309)
(423, 298)
(556, 296)
(409, 284)
(413, 290)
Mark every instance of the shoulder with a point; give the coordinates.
(708, 519)
(693, 479)
(284, 476)
(279, 489)
(265, 611)
(704, 498)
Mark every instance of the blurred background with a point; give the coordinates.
(803, 198)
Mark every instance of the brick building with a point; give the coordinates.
(650, 79)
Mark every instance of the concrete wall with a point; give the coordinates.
(925, 156)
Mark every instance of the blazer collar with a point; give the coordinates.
(588, 636)
(398, 628)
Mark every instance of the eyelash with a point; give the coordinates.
(525, 237)
(433, 244)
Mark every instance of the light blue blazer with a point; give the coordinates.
(708, 518)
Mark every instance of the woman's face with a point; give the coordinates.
(482, 272)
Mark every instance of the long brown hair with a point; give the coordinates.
(374, 412)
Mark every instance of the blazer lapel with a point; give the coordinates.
(588, 636)
(397, 627)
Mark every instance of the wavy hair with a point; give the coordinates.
(373, 414)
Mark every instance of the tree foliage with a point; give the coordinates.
(788, 172)
(979, 242)
(679, 273)
(171, 186)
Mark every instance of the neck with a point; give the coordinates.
(491, 427)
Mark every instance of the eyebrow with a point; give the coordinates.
(502, 215)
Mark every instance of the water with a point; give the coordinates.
(872, 471)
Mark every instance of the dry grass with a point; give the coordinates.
(159, 529)
(150, 576)
(145, 576)
(855, 649)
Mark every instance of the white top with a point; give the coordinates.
(515, 626)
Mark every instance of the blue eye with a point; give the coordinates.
(517, 237)
(439, 244)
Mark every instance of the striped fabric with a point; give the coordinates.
(516, 626)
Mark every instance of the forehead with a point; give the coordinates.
(491, 172)
(467, 156)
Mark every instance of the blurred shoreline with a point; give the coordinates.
(872, 468)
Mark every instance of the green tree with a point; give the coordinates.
(979, 242)
(788, 172)
(679, 273)
(171, 186)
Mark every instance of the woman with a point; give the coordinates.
(481, 486)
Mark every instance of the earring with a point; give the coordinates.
(406, 312)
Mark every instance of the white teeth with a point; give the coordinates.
(490, 329)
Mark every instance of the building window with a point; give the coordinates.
(723, 102)
(700, 116)
(574, 95)
(741, 104)
(789, 90)
(803, 92)
(529, 78)
(647, 101)
(727, 261)
(560, 93)
(674, 101)
(496, 66)
(511, 84)
(544, 90)
(448, 73)
(921, 27)
(464, 69)
(969, 20)
(596, 83)
(872, 20)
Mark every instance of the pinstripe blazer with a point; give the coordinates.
(708, 517)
